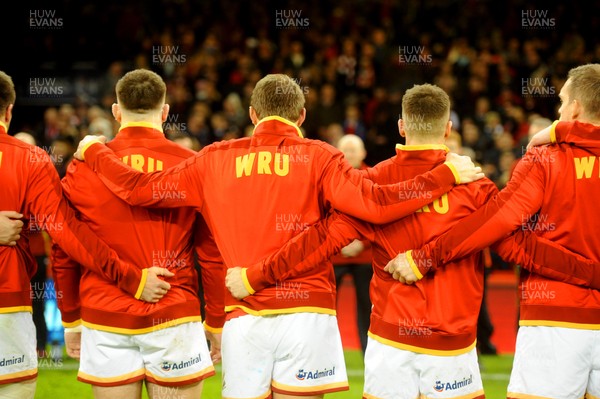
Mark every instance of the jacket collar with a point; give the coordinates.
(135, 129)
(277, 125)
(432, 153)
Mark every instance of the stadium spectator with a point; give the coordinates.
(355, 259)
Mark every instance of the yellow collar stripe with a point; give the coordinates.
(282, 120)
(422, 147)
(141, 124)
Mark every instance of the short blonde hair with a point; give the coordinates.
(277, 95)
(425, 110)
(585, 88)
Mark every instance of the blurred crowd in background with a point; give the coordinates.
(503, 64)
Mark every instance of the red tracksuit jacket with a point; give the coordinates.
(437, 315)
(552, 191)
(30, 185)
(256, 193)
(150, 237)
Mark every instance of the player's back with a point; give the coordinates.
(568, 216)
(21, 166)
(259, 193)
(141, 236)
(440, 311)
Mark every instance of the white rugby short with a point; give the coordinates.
(172, 356)
(293, 354)
(400, 374)
(18, 356)
(555, 362)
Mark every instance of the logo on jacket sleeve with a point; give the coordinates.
(450, 386)
(313, 375)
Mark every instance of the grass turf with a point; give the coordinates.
(58, 379)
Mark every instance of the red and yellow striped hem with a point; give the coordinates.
(133, 331)
(181, 380)
(514, 395)
(18, 376)
(122, 379)
(311, 390)
(417, 349)
(16, 309)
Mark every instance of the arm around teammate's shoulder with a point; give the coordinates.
(349, 191)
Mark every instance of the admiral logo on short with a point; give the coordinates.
(313, 375)
(14, 360)
(450, 386)
(166, 366)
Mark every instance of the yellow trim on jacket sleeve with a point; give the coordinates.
(553, 132)
(413, 265)
(454, 171)
(247, 282)
(72, 324)
(140, 289)
(88, 145)
(212, 330)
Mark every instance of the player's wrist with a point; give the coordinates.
(454, 171)
(76, 329)
(246, 282)
(254, 277)
(87, 145)
(415, 265)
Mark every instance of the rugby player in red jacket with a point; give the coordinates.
(554, 190)
(284, 339)
(421, 339)
(125, 342)
(31, 187)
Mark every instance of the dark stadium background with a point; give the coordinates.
(95, 35)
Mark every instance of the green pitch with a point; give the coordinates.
(58, 379)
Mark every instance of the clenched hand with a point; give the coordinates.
(155, 288)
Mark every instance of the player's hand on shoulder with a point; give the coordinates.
(465, 168)
(86, 142)
(540, 138)
(235, 283)
(155, 287)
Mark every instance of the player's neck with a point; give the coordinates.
(589, 121)
(139, 118)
